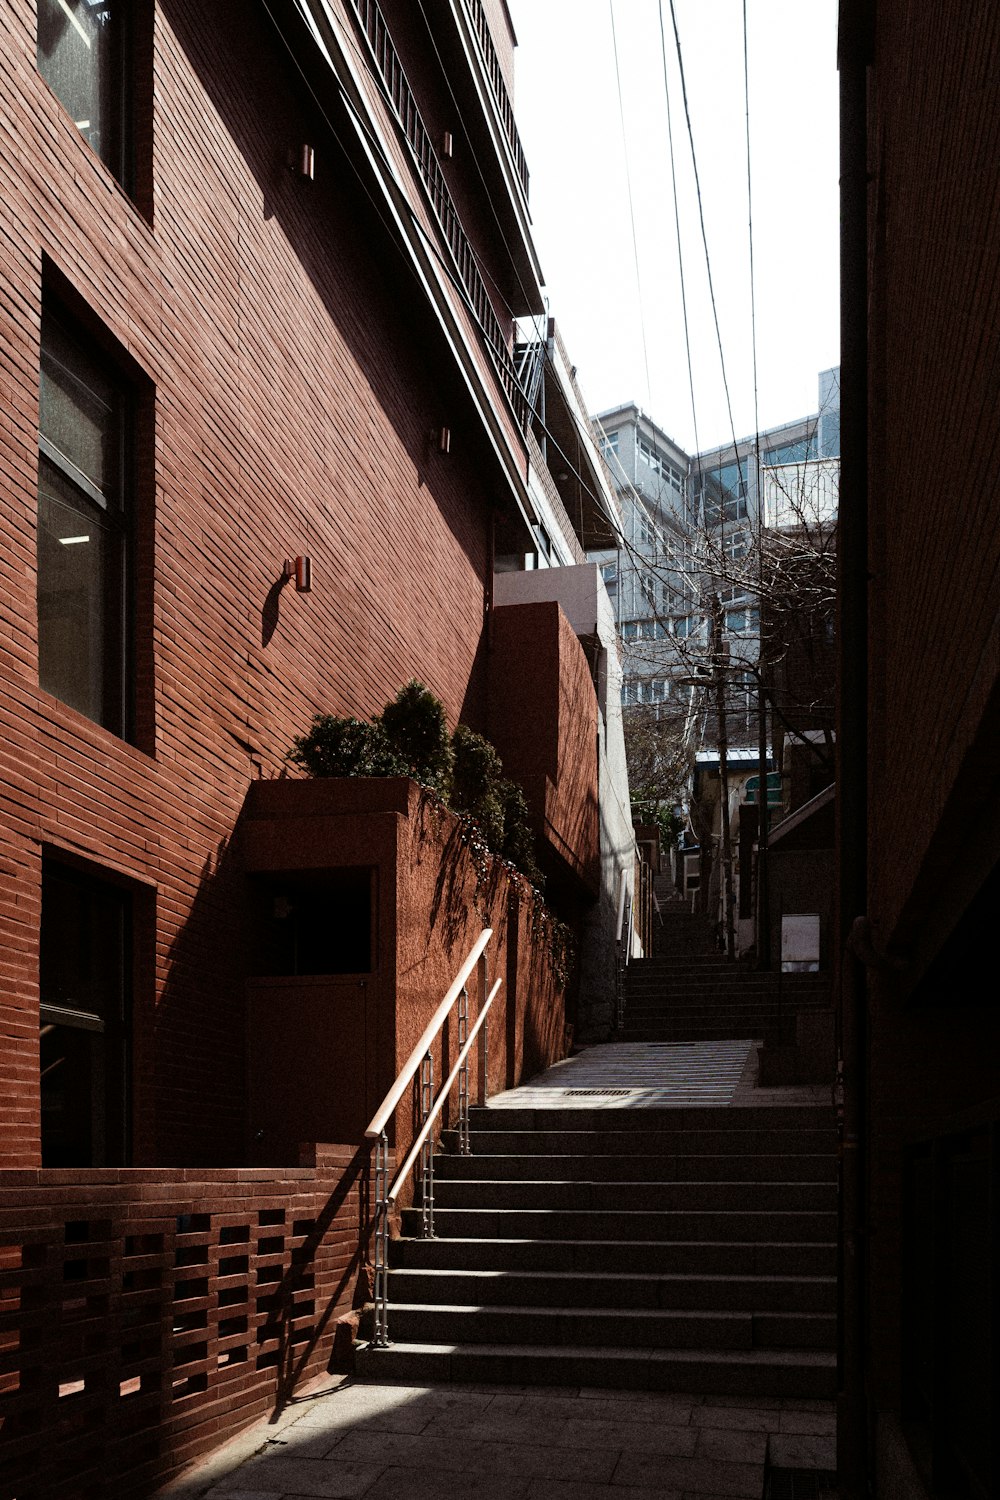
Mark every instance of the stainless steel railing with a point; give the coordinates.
(421, 1060)
(623, 949)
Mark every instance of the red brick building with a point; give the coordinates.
(919, 788)
(260, 266)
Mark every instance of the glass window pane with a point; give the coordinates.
(80, 410)
(84, 959)
(79, 56)
(80, 601)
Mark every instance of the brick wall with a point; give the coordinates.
(543, 720)
(935, 402)
(432, 897)
(288, 393)
(934, 653)
(158, 1312)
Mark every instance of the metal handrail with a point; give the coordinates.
(425, 1129)
(421, 1058)
(437, 1020)
(623, 949)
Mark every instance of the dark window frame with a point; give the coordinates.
(120, 513)
(110, 1046)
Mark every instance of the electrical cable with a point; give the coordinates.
(677, 228)
(628, 183)
(704, 235)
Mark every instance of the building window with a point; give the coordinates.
(84, 974)
(84, 562)
(82, 55)
(609, 444)
(742, 621)
(661, 466)
(645, 531)
(644, 630)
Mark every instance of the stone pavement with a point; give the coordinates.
(402, 1442)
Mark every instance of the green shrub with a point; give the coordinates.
(476, 783)
(518, 840)
(415, 725)
(346, 747)
(498, 805)
(410, 738)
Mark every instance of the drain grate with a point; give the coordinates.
(800, 1484)
(605, 1093)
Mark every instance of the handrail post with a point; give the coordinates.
(484, 1045)
(419, 1067)
(624, 954)
(463, 1074)
(381, 1339)
(427, 1152)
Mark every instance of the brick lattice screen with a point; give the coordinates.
(146, 1315)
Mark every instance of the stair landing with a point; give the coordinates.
(657, 1075)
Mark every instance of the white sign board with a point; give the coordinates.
(800, 942)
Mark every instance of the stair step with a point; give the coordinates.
(636, 1328)
(646, 1328)
(533, 1288)
(653, 1197)
(681, 1144)
(719, 999)
(618, 1224)
(804, 1374)
(636, 1166)
(730, 1117)
(621, 1258)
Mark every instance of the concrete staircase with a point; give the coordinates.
(698, 997)
(688, 991)
(687, 1249)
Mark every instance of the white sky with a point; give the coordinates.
(567, 107)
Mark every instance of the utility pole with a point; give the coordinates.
(763, 816)
(719, 683)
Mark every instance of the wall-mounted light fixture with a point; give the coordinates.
(442, 436)
(301, 569)
(447, 144)
(302, 160)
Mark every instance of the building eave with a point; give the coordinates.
(318, 25)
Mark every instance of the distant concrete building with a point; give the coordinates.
(688, 523)
(649, 576)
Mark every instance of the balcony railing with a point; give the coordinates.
(500, 95)
(400, 97)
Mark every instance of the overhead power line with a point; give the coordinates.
(631, 211)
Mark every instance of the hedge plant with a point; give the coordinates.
(410, 738)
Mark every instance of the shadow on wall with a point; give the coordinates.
(190, 1084)
(300, 1326)
(335, 235)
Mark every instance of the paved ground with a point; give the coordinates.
(396, 1442)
